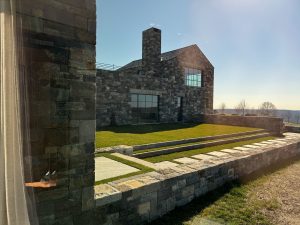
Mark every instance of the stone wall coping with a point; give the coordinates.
(123, 149)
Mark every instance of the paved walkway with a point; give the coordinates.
(107, 168)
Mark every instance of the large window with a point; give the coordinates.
(192, 77)
(144, 108)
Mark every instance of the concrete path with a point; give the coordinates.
(107, 168)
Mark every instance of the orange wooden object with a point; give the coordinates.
(45, 184)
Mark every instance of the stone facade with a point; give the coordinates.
(141, 199)
(156, 74)
(59, 39)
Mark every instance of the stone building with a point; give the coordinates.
(161, 87)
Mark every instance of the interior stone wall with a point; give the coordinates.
(59, 38)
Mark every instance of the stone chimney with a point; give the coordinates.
(151, 50)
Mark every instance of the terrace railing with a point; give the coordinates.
(105, 66)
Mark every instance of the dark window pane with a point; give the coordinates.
(148, 98)
(142, 98)
(148, 104)
(142, 104)
(133, 97)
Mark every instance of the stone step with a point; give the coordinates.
(193, 140)
(198, 146)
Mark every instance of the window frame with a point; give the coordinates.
(146, 105)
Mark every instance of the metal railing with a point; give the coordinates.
(105, 66)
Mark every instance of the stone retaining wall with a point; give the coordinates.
(147, 197)
(294, 129)
(272, 124)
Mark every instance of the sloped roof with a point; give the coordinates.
(165, 56)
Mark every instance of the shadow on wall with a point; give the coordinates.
(148, 128)
(181, 215)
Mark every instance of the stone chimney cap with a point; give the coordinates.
(153, 29)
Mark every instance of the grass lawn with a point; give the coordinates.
(177, 155)
(142, 169)
(145, 134)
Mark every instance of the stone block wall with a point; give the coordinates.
(273, 124)
(293, 129)
(59, 38)
(144, 198)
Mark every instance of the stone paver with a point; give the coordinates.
(251, 146)
(243, 149)
(107, 168)
(232, 151)
(186, 160)
(260, 144)
(279, 142)
(203, 157)
(219, 154)
(165, 165)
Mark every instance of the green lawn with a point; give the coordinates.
(177, 155)
(145, 134)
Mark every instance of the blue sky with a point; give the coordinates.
(253, 44)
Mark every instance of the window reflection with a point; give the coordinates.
(144, 108)
(192, 77)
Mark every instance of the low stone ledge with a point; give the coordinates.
(198, 146)
(136, 160)
(122, 149)
(106, 194)
(192, 140)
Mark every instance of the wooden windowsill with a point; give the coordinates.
(46, 184)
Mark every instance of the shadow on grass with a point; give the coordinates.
(148, 128)
(187, 212)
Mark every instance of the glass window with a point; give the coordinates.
(144, 108)
(141, 98)
(192, 77)
(134, 98)
(148, 98)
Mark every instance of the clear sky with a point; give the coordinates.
(254, 45)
